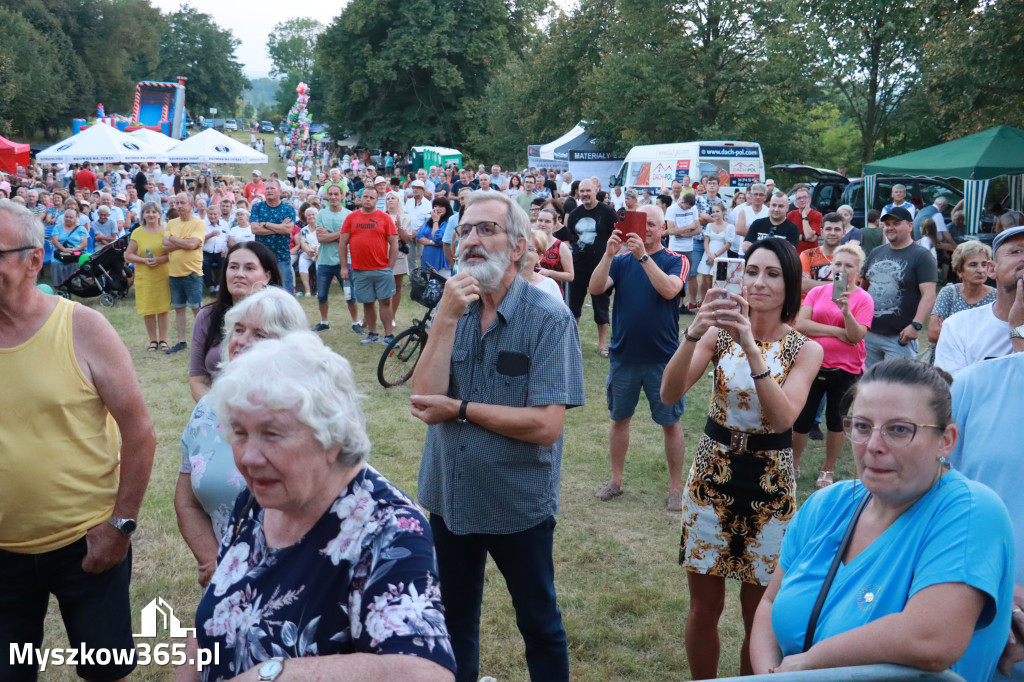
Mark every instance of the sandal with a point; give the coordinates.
(153, 345)
(603, 351)
(164, 347)
(824, 479)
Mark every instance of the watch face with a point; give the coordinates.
(128, 526)
(271, 669)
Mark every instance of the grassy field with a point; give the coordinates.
(622, 594)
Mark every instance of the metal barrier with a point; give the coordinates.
(861, 673)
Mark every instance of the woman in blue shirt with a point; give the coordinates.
(431, 237)
(926, 579)
(69, 237)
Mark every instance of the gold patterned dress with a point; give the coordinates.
(737, 504)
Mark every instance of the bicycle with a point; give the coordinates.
(399, 359)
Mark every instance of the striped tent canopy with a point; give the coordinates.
(975, 159)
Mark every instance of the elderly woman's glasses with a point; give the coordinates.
(896, 433)
(487, 228)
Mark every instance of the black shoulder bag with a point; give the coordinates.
(843, 545)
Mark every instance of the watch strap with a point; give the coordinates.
(1017, 332)
(462, 411)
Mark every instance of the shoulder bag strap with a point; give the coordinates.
(813, 621)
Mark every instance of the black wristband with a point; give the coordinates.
(462, 411)
(686, 335)
(763, 375)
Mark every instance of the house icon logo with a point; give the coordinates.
(159, 611)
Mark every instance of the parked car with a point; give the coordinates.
(230, 124)
(829, 190)
(190, 122)
(283, 126)
(266, 127)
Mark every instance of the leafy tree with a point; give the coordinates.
(195, 47)
(871, 50)
(290, 46)
(29, 75)
(397, 71)
(974, 66)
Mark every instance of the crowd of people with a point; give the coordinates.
(293, 532)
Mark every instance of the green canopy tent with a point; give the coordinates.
(975, 159)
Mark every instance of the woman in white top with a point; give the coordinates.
(718, 238)
(308, 247)
(538, 245)
(394, 207)
(241, 231)
(757, 208)
(739, 200)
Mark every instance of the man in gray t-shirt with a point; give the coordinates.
(900, 276)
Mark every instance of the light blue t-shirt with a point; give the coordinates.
(332, 222)
(958, 532)
(989, 444)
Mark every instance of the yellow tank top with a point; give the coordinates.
(59, 459)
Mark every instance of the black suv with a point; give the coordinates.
(830, 190)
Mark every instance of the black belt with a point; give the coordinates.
(740, 441)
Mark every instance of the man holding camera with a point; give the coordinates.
(645, 333)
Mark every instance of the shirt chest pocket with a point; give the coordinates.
(498, 380)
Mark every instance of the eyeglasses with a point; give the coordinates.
(487, 228)
(4, 252)
(896, 433)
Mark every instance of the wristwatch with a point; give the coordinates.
(916, 325)
(462, 418)
(1017, 332)
(644, 258)
(271, 670)
(124, 526)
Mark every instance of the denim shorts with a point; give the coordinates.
(625, 379)
(324, 275)
(373, 285)
(186, 291)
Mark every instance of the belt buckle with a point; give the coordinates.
(738, 441)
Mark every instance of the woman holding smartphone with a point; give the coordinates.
(740, 490)
(837, 316)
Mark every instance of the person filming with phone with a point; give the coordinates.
(648, 280)
(836, 315)
(740, 492)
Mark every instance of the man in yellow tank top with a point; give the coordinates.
(69, 491)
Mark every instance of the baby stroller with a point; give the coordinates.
(105, 274)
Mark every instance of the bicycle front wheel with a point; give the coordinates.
(399, 359)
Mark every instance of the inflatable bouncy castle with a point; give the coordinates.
(158, 105)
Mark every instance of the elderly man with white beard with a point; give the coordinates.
(501, 366)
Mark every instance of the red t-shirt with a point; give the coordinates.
(814, 218)
(252, 189)
(368, 238)
(85, 179)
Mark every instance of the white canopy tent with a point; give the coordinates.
(101, 144)
(211, 146)
(154, 138)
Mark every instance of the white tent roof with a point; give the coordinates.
(158, 140)
(101, 143)
(548, 150)
(211, 146)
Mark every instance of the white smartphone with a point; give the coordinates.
(729, 274)
(839, 285)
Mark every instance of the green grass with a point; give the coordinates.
(623, 597)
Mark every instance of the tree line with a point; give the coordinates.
(59, 58)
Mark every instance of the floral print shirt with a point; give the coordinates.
(362, 580)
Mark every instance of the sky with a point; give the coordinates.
(251, 21)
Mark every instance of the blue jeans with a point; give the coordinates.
(880, 347)
(524, 559)
(287, 274)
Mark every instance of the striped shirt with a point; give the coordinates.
(480, 481)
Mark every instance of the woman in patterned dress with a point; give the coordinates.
(740, 491)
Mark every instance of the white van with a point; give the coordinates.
(655, 166)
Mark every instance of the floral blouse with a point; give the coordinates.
(362, 580)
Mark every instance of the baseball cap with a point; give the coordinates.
(418, 183)
(257, 173)
(1004, 235)
(898, 213)
(381, 179)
